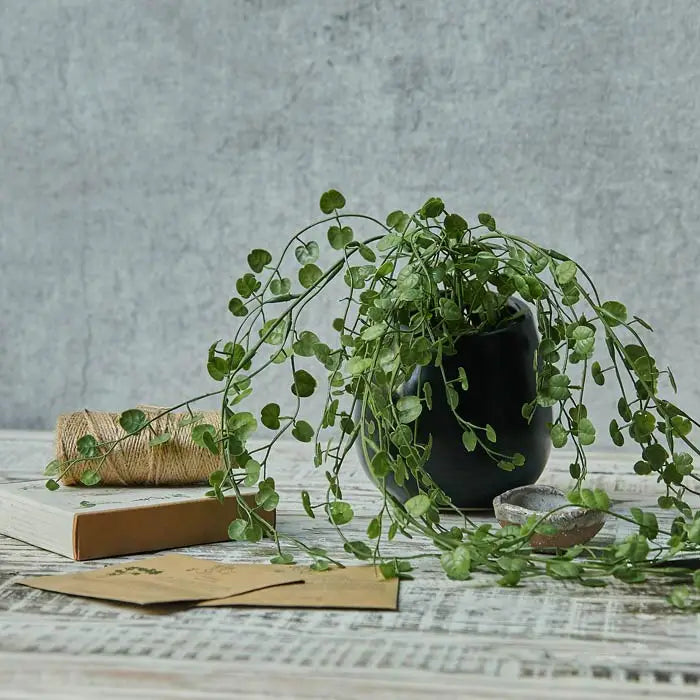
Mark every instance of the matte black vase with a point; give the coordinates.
(499, 366)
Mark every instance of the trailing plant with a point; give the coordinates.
(425, 280)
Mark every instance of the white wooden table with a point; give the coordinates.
(468, 639)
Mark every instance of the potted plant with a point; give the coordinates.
(460, 352)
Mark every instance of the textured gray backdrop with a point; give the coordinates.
(147, 146)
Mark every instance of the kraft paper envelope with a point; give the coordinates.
(355, 587)
(166, 579)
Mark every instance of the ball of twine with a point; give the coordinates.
(134, 461)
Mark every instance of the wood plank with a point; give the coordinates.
(544, 640)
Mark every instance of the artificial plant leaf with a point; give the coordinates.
(418, 505)
(457, 563)
(237, 307)
(90, 478)
(565, 272)
(309, 275)
(274, 331)
(331, 200)
(247, 285)
(307, 253)
(304, 384)
(160, 439)
(87, 446)
(132, 420)
(270, 416)
(340, 512)
(304, 345)
(408, 408)
(302, 431)
(614, 312)
(339, 237)
(258, 258)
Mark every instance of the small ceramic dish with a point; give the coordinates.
(575, 525)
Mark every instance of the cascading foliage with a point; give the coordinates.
(412, 291)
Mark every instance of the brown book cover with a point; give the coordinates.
(92, 523)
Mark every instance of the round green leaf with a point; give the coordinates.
(309, 275)
(615, 433)
(247, 285)
(359, 549)
(304, 384)
(409, 408)
(469, 440)
(395, 218)
(209, 442)
(418, 505)
(274, 331)
(367, 253)
(160, 439)
(642, 468)
(339, 237)
(302, 431)
(237, 307)
(655, 454)
(565, 272)
(52, 468)
(52, 485)
(450, 310)
(614, 312)
(559, 435)
(258, 258)
(281, 286)
(198, 431)
(357, 365)
(307, 252)
(90, 478)
(340, 512)
(331, 200)
(216, 478)
(270, 416)
(132, 420)
(242, 424)
(87, 446)
(381, 464)
(490, 434)
(267, 499)
(237, 529)
(455, 225)
(586, 432)
(456, 563)
(488, 221)
(432, 208)
(597, 374)
(304, 346)
(643, 424)
(252, 472)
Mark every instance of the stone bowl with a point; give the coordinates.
(575, 525)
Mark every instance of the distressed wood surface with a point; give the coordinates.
(470, 639)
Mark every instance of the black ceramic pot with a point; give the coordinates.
(499, 366)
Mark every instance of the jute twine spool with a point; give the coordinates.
(134, 462)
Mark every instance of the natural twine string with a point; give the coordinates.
(134, 462)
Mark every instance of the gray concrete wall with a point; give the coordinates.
(147, 146)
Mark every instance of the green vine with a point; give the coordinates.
(426, 280)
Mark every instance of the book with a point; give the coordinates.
(96, 522)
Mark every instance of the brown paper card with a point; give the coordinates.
(166, 579)
(356, 587)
